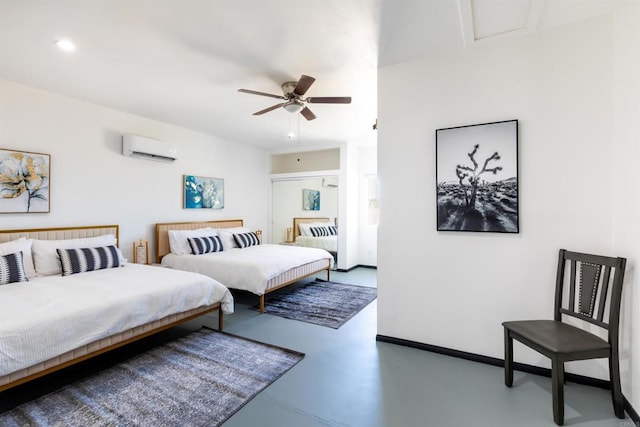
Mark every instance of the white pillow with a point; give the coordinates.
(226, 235)
(21, 245)
(178, 243)
(305, 229)
(322, 224)
(47, 261)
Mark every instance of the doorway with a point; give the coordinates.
(304, 197)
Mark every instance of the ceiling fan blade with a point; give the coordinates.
(253, 92)
(307, 113)
(266, 110)
(330, 100)
(303, 85)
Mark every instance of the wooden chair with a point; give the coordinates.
(595, 299)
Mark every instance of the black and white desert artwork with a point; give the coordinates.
(477, 177)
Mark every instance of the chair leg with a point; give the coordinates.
(508, 358)
(616, 388)
(557, 390)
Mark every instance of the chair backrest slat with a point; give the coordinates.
(559, 286)
(589, 285)
(603, 292)
(572, 286)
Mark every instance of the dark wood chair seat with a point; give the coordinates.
(593, 296)
(550, 337)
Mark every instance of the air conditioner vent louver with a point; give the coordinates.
(151, 156)
(147, 148)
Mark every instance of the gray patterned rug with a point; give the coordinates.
(198, 380)
(320, 302)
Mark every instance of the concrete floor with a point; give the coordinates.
(349, 379)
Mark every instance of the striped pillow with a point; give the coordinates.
(80, 260)
(12, 268)
(333, 231)
(205, 244)
(244, 240)
(319, 231)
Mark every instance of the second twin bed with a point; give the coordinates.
(249, 266)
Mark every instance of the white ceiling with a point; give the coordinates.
(182, 61)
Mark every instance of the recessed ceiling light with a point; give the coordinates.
(290, 135)
(66, 45)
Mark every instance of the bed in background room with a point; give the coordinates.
(235, 256)
(66, 295)
(316, 233)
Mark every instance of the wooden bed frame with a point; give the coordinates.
(106, 344)
(280, 281)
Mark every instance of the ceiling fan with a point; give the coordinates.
(294, 102)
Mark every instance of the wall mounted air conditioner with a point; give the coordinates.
(330, 182)
(147, 148)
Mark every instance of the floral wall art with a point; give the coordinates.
(24, 181)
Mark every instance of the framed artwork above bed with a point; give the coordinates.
(24, 181)
(311, 200)
(203, 193)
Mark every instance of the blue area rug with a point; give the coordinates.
(200, 379)
(321, 302)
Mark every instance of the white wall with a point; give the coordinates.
(368, 230)
(626, 177)
(453, 289)
(348, 207)
(92, 183)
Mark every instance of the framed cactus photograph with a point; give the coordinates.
(24, 181)
(477, 178)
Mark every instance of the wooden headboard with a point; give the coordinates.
(298, 221)
(162, 231)
(59, 233)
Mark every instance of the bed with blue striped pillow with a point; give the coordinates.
(80, 260)
(12, 268)
(205, 244)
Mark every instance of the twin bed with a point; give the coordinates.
(316, 233)
(53, 321)
(259, 269)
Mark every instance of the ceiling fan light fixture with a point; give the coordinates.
(66, 45)
(293, 106)
(293, 97)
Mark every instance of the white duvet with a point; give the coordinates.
(49, 316)
(328, 243)
(249, 268)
